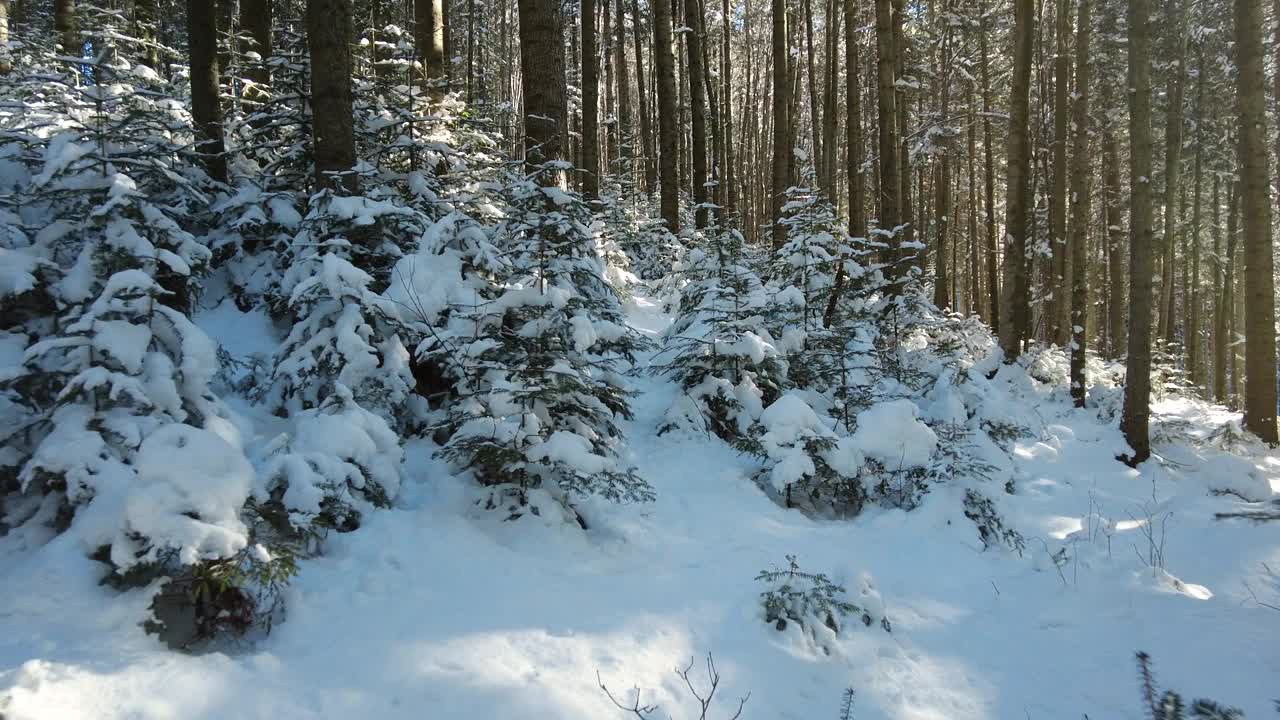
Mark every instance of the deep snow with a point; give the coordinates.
(438, 609)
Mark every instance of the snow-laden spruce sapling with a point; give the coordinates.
(541, 390)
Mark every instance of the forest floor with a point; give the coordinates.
(437, 609)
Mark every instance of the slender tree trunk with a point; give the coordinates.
(1221, 297)
(781, 122)
(1259, 277)
(626, 133)
(642, 93)
(206, 109)
(830, 120)
(697, 107)
(665, 68)
(1137, 388)
(1231, 336)
(428, 36)
(1192, 297)
(942, 296)
(145, 19)
(815, 115)
(65, 25)
(1173, 180)
(1015, 306)
(590, 102)
(1060, 284)
(1080, 208)
(1117, 308)
(887, 115)
(989, 184)
(726, 77)
(905, 216)
(256, 18)
(6, 63)
(542, 85)
(853, 141)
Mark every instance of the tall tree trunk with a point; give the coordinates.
(887, 116)
(697, 107)
(590, 102)
(905, 216)
(542, 84)
(1137, 387)
(1231, 364)
(989, 182)
(1060, 283)
(65, 25)
(626, 133)
(145, 19)
(1117, 304)
(815, 115)
(1192, 297)
(206, 109)
(1259, 278)
(942, 296)
(712, 113)
(6, 64)
(1080, 208)
(726, 77)
(256, 18)
(642, 92)
(665, 68)
(1173, 178)
(853, 143)
(830, 121)
(1219, 382)
(781, 122)
(428, 37)
(1015, 313)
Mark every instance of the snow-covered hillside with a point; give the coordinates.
(438, 609)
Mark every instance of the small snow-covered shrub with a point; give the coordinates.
(341, 458)
(806, 464)
(812, 601)
(991, 527)
(1169, 705)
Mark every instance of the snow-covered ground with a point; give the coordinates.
(436, 609)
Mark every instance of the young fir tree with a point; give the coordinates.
(537, 352)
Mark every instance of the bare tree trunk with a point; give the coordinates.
(853, 142)
(905, 216)
(781, 122)
(1080, 208)
(642, 92)
(1137, 388)
(590, 102)
(1259, 277)
(6, 64)
(542, 84)
(1060, 282)
(206, 109)
(1173, 180)
(256, 18)
(1014, 302)
(65, 25)
(145, 18)
(626, 133)
(726, 77)
(1192, 298)
(1231, 364)
(942, 296)
(697, 107)
(1117, 309)
(989, 184)
(428, 36)
(1220, 305)
(664, 67)
(815, 115)
(830, 120)
(887, 115)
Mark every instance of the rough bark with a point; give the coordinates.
(1060, 282)
(642, 94)
(1014, 302)
(66, 27)
(781, 122)
(626, 133)
(1259, 277)
(206, 109)
(1192, 321)
(428, 38)
(590, 78)
(6, 64)
(256, 18)
(942, 290)
(1117, 308)
(664, 66)
(1173, 181)
(853, 143)
(887, 116)
(1080, 207)
(542, 85)
(1220, 296)
(989, 182)
(1137, 389)
(726, 77)
(697, 108)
